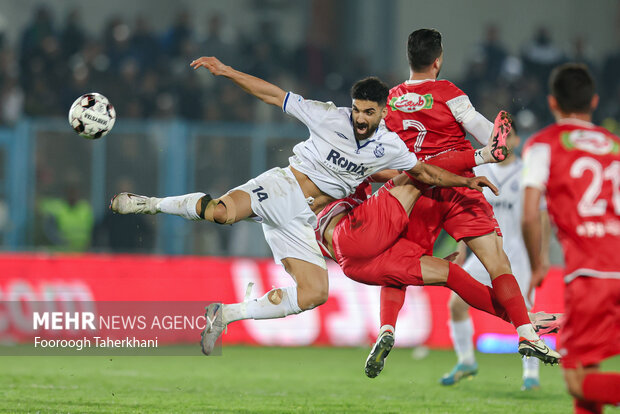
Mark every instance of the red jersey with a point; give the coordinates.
(427, 116)
(577, 164)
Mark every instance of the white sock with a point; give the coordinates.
(530, 367)
(184, 205)
(462, 333)
(386, 328)
(527, 331)
(484, 156)
(263, 308)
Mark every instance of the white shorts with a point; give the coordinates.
(287, 220)
(520, 265)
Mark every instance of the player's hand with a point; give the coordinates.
(478, 183)
(213, 64)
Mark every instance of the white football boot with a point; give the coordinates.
(128, 203)
(213, 328)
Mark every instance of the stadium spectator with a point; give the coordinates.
(68, 221)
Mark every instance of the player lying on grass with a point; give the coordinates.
(345, 146)
(366, 238)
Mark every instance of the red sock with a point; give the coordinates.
(509, 295)
(474, 293)
(457, 162)
(392, 300)
(602, 387)
(587, 407)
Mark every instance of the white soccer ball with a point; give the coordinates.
(92, 115)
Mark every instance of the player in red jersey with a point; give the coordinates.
(577, 166)
(365, 237)
(431, 116)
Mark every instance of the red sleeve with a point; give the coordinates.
(448, 90)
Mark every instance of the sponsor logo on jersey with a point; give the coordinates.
(594, 142)
(340, 161)
(341, 135)
(411, 102)
(379, 151)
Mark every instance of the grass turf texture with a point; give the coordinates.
(270, 380)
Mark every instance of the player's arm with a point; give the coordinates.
(473, 121)
(384, 176)
(532, 228)
(433, 175)
(536, 161)
(263, 90)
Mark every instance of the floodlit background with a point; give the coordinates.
(180, 131)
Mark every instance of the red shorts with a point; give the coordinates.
(462, 212)
(369, 248)
(590, 332)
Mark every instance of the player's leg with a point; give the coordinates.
(392, 300)
(461, 332)
(228, 209)
(592, 388)
(288, 226)
(589, 336)
(490, 252)
(310, 291)
(521, 270)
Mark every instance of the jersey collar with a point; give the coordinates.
(574, 121)
(418, 81)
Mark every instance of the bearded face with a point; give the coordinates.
(366, 116)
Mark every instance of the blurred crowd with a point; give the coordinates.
(145, 72)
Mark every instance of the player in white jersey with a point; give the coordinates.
(345, 146)
(507, 209)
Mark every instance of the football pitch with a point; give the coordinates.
(273, 380)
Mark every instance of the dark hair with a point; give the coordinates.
(371, 89)
(423, 47)
(573, 87)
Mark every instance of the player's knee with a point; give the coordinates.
(220, 214)
(220, 210)
(275, 296)
(458, 308)
(574, 384)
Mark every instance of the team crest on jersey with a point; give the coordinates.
(411, 102)
(379, 151)
(593, 142)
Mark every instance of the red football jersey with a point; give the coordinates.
(418, 112)
(577, 164)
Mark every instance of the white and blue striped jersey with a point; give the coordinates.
(331, 157)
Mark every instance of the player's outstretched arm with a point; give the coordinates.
(263, 90)
(433, 175)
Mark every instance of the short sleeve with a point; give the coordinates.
(404, 159)
(307, 111)
(536, 162)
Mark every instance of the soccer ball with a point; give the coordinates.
(92, 115)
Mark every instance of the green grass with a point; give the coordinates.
(270, 380)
